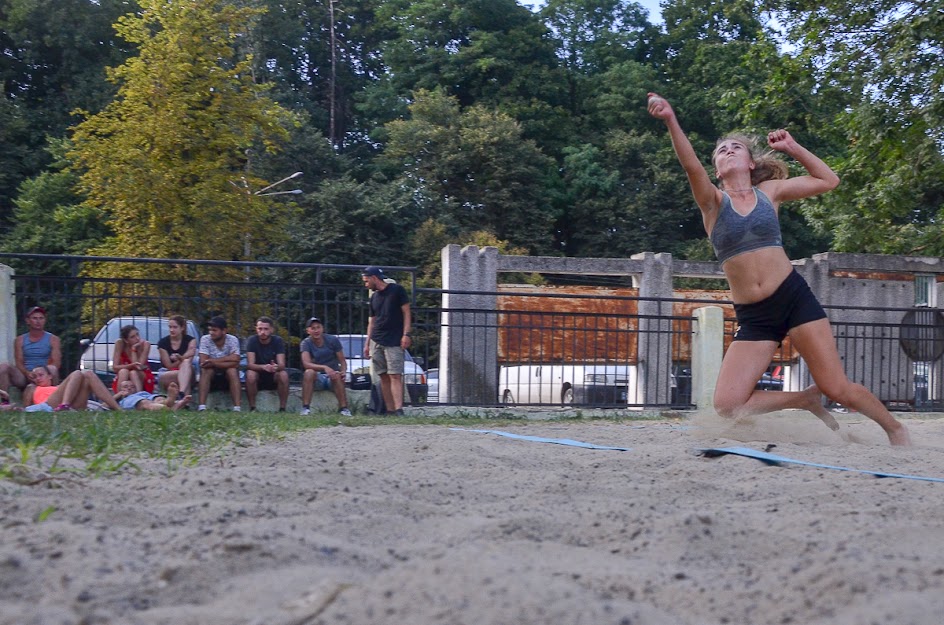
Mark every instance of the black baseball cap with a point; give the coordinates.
(373, 271)
(314, 320)
(218, 322)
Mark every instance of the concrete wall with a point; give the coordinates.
(7, 314)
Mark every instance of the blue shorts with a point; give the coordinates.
(132, 400)
(323, 382)
(770, 319)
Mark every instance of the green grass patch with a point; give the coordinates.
(39, 447)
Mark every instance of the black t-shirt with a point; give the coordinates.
(265, 354)
(164, 344)
(386, 309)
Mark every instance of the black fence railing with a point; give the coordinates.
(899, 361)
(529, 355)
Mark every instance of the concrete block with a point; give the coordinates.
(707, 354)
(268, 401)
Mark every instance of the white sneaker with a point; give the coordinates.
(201, 408)
(305, 412)
(345, 412)
(237, 409)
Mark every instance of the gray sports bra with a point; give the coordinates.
(735, 234)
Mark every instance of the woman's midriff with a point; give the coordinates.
(753, 276)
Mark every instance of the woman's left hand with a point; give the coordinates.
(780, 140)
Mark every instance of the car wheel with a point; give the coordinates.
(507, 398)
(567, 396)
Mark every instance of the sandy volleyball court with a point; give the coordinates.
(417, 525)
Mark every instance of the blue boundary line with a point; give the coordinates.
(774, 459)
(539, 439)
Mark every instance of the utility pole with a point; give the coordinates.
(332, 96)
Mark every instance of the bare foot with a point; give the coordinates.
(172, 391)
(182, 402)
(899, 436)
(814, 403)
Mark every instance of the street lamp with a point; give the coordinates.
(275, 184)
(262, 193)
(292, 192)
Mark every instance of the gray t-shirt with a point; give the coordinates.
(326, 354)
(208, 347)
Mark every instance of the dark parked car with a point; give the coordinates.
(772, 380)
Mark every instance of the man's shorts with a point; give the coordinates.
(386, 358)
(265, 381)
(219, 382)
(322, 382)
(791, 305)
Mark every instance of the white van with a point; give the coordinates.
(609, 385)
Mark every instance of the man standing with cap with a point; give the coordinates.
(35, 348)
(324, 365)
(388, 335)
(219, 363)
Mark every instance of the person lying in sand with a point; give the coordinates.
(129, 398)
(80, 387)
(73, 394)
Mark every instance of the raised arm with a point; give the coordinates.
(820, 177)
(707, 195)
(141, 351)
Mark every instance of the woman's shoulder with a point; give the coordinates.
(768, 190)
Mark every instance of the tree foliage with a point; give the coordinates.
(166, 161)
(53, 55)
(472, 168)
(887, 54)
(49, 218)
(420, 123)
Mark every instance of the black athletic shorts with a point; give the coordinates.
(219, 381)
(791, 305)
(265, 381)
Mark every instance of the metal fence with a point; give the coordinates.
(900, 362)
(593, 359)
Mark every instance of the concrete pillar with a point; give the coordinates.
(655, 327)
(707, 353)
(7, 313)
(468, 345)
